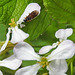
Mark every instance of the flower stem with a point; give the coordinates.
(9, 47)
(71, 68)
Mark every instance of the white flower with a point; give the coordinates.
(17, 35)
(29, 9)
(62, 34)
(55, 62)
(10, 62)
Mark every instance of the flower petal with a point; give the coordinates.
(64, 33)
(24, 51)
(29, 70)
(57, 67)
(18, 35)
(45, 49)
(65, 50)
(22, 25)
(11, 62)
(30, 8)
(8, 37)
(1, 73)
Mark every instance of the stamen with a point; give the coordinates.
(60, 42)
(44, 62)
(12, 24)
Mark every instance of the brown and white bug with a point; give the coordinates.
(31, 11)
(31, 16)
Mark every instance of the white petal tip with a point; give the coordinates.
(33, 9)
(63, 33)
(45, 49)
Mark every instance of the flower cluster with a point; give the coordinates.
(55, 62)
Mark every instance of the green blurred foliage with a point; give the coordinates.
(62, 10)
(55, 14)
(3, 30)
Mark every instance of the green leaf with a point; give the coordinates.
(2, 2)
(6, 9)
(2, 32)
(61, 10)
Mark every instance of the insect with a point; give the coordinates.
(31, 16)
